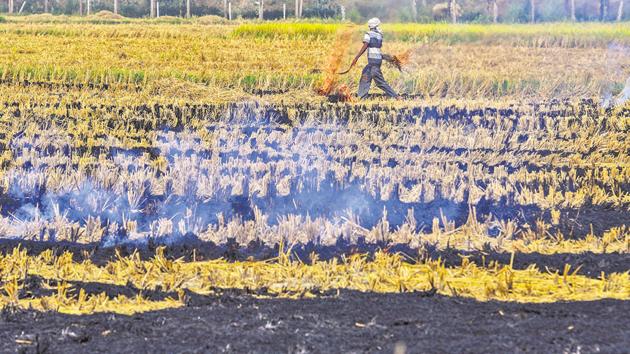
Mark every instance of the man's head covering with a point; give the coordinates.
(374, 23)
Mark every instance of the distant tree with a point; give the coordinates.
(603, 10)
(414, 10)
(493, 10)
(440, 11)
(452, 9)
(323, 8)
(356, 10)
(569, 9)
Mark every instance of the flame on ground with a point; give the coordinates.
(402, 59)
(330, 85)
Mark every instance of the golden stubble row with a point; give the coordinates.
(287, 277)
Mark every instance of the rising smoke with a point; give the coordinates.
(615, 70)
(254, 170)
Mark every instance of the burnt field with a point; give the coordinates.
(204, 200)
(151, 212)
(348, 322)
(343, 171)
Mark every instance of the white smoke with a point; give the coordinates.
(615, 55)
(624, 96)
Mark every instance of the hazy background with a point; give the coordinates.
(356, 10)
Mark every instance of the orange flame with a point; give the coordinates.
(330, 84)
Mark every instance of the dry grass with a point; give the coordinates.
(134, 143)
(294, 57)
(287, 278)
(107, 15)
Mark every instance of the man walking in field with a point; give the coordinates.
(372, 42)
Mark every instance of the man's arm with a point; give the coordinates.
(363, 49)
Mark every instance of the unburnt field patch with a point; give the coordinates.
(188, 250)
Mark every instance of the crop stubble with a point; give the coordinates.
(135, 148)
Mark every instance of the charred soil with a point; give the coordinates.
(349, 322)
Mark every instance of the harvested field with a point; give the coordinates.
(388, 176)
(179, 184)
(350, 322)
